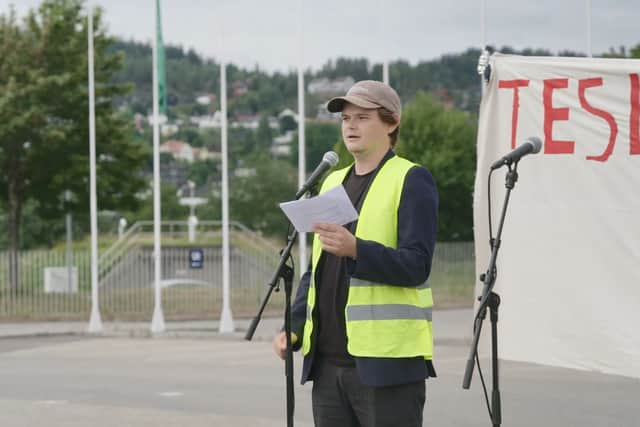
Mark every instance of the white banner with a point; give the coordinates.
(569, 263)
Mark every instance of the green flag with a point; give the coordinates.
(162, 75)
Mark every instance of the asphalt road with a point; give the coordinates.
(213, 380)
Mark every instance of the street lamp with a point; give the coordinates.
(122, 225)
(192, 202)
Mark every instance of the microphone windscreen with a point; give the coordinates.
(535, 143)
(331, 157)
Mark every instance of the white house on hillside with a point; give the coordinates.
(178, 149)
(208, 121)
(325, 86)
(205, 99)
(281, 145)
(288, 112)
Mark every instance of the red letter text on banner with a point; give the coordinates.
(553, 114)
(583, 85)
(515, 85)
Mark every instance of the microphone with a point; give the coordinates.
(531, 146)
(329, 160)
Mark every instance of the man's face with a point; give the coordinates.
(363, 131)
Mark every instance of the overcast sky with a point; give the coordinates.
(265, 32)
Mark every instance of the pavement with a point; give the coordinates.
(56, 374)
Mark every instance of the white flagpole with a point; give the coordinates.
(483, 36)
(302, 168)
(95, 322)
(588, 6)
(483, 23)
(385, 60)
(226, 318)
(157, 323)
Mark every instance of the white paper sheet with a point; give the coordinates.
(332, 207)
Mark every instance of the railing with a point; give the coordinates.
(126, 277)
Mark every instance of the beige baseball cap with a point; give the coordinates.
(368, 94)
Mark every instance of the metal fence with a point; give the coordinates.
(126, 277)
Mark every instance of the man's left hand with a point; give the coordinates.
(336, 240)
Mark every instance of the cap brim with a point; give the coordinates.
(335, 105)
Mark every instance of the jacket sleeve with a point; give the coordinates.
(410, 263)
(299, 309)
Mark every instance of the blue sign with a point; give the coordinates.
(196, 258)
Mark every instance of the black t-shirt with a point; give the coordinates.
(332, 286)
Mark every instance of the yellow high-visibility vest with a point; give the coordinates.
(382, 320)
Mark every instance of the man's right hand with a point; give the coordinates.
(280, 344)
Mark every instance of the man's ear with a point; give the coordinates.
(395, 126)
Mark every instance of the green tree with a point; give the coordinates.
(264, 136)
(203, 171)
(443, 140)
(44, 118)
(320, 138)
(171, 208)
(287, 123)
(254, 199)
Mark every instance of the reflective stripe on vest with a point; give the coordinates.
(382, 320)
(360, 282)
(388, 312)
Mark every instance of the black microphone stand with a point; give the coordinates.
(491, 300)
(284, 272)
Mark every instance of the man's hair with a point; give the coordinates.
(389, 118)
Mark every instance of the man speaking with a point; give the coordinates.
(362, 313)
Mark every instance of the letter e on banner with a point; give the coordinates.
(551, 115)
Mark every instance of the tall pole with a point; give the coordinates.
(588, 11)
(385, 58)
(69, 226)
(483, 38)
(302, 156)
(157, 322)
(95, 322)
(226, 318)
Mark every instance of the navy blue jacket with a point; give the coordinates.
(408, 265)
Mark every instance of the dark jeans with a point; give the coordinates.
(341, 400)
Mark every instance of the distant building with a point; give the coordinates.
(138, 120)
(274, 123)
(445, 97)
(207, 99)
(161, 119)
(247, 121)
(287, 112)
(180, 150)
(244, 172)
(203, 153)
(167, 129)
(324, 86)
(173, 173)
(208, 121)
(281, 145)
(322, 114)
(239, 88)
